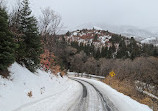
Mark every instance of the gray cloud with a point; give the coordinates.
(140, 13)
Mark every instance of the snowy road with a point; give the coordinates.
(92, 99)
(101, 97)
(86, 95)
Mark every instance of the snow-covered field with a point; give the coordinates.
(49, 93)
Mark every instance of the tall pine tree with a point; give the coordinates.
(122, 52)
(95, 37)
(134, 49)
(7, 45)
(31, 42)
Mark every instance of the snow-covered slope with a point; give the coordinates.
(49, 93)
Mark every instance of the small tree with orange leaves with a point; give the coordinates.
(47, 60)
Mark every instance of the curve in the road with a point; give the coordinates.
(101, 103)
(84, 95)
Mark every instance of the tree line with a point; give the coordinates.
(131, 50)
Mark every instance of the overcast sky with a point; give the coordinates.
(140, 13)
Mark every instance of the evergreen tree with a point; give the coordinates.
(95, 37)
(109, 53)
(122, 52)
(88, 50)
(115, 38)
(104, 52)
(92, 48)
(30, 44)
(7, 45)
(133, 48)
(98, 54)
(68, 33)
(155, 52)
(113, 48)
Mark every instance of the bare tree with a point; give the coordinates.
(50, 22)
(77, 62)
(14, 16)
(106, 66)
(14, 20)
(3, 4)
(90, 66)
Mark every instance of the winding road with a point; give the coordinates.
(85, 95)
(92, 99)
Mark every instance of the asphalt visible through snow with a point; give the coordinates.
(92, 99)
(83, 94)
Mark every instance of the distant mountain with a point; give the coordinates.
(152, 30)
(142, 35)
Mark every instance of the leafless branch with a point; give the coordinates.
(50, 22)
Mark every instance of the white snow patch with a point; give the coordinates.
(97, 28)
(49, 93)
(75, 33)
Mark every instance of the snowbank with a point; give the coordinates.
(120, 101)
(44, 88)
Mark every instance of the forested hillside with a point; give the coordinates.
(104, 44)
(88, 51)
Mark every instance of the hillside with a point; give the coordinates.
(24, 88)
(98, 38)
(106, 44)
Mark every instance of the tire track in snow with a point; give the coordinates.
(104, 106)
(82, 103)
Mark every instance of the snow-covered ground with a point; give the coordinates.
(52, 93)
(49, 93)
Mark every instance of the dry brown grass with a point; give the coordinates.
(126, 87)
(56, 69)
